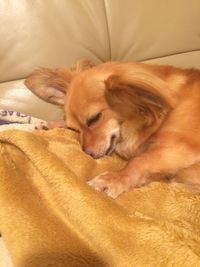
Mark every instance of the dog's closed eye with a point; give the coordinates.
(93, 119)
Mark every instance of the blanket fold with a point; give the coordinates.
(50, 217)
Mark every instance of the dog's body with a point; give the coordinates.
(147, 114)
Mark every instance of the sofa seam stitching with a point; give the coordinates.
(108, 30)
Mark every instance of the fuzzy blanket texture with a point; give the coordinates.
(49, 216)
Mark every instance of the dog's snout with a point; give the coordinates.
(89, 152)
(92, 153)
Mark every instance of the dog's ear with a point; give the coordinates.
(135, 98)
(50, 84)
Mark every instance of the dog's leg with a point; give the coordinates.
(169, 153)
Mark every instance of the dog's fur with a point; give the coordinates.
(148, 114)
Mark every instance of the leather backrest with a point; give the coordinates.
(59, 32)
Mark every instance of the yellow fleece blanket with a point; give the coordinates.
(49, 216)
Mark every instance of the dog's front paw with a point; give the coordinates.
(111, 183)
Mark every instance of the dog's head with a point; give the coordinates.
(116, 106)
(113, 108)
(90, 115)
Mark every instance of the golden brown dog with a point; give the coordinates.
(148, 114)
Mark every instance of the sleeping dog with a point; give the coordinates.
(147, 114)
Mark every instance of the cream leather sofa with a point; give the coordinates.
(54, 33)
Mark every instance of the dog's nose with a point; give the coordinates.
(90, 152)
